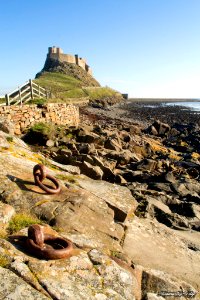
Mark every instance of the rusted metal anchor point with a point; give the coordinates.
(47, 246)
(40, 173)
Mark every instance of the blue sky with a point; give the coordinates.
(146, 48)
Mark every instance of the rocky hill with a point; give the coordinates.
(69, 81)
(69, 69)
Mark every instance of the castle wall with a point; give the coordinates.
(81, 63)
(25, 116)
(63, 57)
(68, 58)
(57, 54)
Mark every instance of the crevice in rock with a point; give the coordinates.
(124, 236)
(48, 292)
(42, 290)
(113, 237)
(119, 215)
(193, 247)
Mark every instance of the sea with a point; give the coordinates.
(192, 104)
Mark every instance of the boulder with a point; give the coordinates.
(158, 128)
(72, 146)
(112, 144)
(6, 126)
(85, 148)
(50, 143)
(108, 173)
(162, 128)
(112, 193)
(146, 165)
(93, 172)
(134, 130)
(84, 136)
(65, 151)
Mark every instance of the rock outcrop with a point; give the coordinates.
(135, 227)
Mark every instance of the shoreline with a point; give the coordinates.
(145, 113)
(162, 100)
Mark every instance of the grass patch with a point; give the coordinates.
(68, 89)
(4, 262)
(69, 135)
(116, 254)
(9, 139)
(2, 100)
(74, 93)
(69, 178)
(47, 129)
(100, 93)
(38, 101)
(47, 163)
(3, 234)
(21, 220)
(58, 82)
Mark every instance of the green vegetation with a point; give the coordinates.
(47, 163)
(2, 100)
(69, 178)
(47, 129)
(58, 83)
(21, 220)
(38, 101)
(116, 254)
(99, 93)
(65, 88)
(4, 262)
(3, 233)
(9, 139)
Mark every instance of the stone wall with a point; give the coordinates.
(26, 115)
(63, 57)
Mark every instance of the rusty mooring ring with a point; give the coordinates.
(40, 170)
(40, 173)
(47, 246)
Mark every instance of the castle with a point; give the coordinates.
(57, 54)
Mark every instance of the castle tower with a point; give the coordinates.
(55, 50)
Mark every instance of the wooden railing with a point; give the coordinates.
(25, 93)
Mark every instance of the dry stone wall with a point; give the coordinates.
(26, 115)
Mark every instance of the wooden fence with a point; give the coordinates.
(25, 93)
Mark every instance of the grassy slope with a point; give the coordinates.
(64, 87)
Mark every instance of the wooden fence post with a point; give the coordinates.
(7, 99)
(20, 96)
(31, 87)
